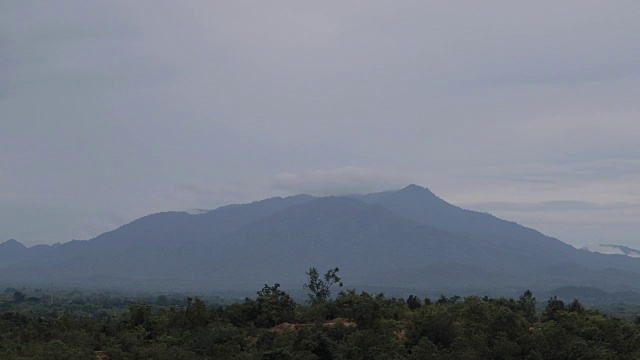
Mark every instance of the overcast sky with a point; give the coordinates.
(111, 110)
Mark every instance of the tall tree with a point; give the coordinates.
(273, 306)
(527, 305)
(318, 290)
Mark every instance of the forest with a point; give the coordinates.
(272, 325)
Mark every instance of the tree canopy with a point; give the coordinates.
(352, 325)
(318, 289)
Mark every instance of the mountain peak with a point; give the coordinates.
(416, 188)
(12, 243)
(415, 191)
(11, 250)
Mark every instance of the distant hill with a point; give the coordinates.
(406, 238)
(11, 251)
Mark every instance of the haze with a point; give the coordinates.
(113, 110)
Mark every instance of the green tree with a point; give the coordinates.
(196, 313)
(364, 309)
(19, 297)
(58, 350)
(140, 313)
(527, 306)
(318, 290)
(554, 306)
(575, 306)
(413, 302)
(434, 322)
(273, 306)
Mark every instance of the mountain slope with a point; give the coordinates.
(421, 205)
(408, 237)
(12, 251)
(163, 230)
(357, 237)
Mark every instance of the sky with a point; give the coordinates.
(112, 110)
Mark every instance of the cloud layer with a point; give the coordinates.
(113, 110)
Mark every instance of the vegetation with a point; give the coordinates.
(318, 289)
(272, 325)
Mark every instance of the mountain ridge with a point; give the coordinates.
(408, 236)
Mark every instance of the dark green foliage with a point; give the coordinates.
(19, 297)
(364, 309)
(273, 306)
(554, 306)
(413, 302)
(319, 289)
(575, 306)
(273, 326)
(527, 306)
(435, 323)
(196, 314)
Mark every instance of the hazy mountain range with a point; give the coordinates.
(408, 238)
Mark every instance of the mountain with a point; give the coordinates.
(12, 250)
(408, 238)
(424, 207)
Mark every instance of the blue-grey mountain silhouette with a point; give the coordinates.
(405, 238)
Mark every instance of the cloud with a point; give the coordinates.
(34, 224)
(556, 205)
(625, 249)
(6, 78)
(577, 171)
(73, 47)
(155, 105)
(338, 181)
(195, 195)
